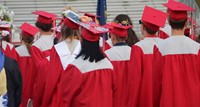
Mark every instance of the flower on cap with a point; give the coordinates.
(124, 22)
(85, 19)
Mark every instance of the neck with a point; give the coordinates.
(46, 33)
(150, 35)
(178, 32)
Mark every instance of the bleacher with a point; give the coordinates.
(133, 8)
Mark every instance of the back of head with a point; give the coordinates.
(126, 21)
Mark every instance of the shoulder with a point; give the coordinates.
(148, 44)
(118, 53)
(87, 66)
(44, 42)
(178, 45)
(22, 50)
(5, 44)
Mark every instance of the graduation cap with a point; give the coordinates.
(153, 18)
(28, 30)
(44, 17)
(71, 24)
(109, 25)
(177, 10)
(120, 30)
(92, 32)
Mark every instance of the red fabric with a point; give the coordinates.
(193, 37)
(135, 76)
(176, 80)
(107, 46)
(151, 26)
(71, 24)
(141, 65)
(40, 81)
(120, 30)
(27, 71)
(163, 35)
(52, 80)
(88, 35)
(93, 88)
(10, 52)
(120, 90)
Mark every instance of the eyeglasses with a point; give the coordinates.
(140, 22)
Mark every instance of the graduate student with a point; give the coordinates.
(25, 61)
(141, 61)
(10, 81)
(41, 48)
(62, 54)
(176, 80)
(88, 80)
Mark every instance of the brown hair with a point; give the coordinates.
(178, 25)
(70, 33)
(28, 40)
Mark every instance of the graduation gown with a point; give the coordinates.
(87, 84)
(40, 52)
(141, 64)
(42, 48)
(9, 50)
(13, 81)
(119, 55)
(26, 66)
(176, 73)
(59, 60)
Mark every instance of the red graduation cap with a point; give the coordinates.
(44, 17)
(68, 22)
(153, 18)
(93, 32)
(109, 25)
(120, 30)
(28, 30)
(177, 10)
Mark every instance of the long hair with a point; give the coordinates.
(70, 33)
(28, 41)
(91, 51)
(126, 21)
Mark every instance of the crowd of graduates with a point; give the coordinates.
(77, 68)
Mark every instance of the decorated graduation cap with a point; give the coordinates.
(177, 10)
(92, 31)
(44, 17)
(28, 30)
(153, 18)
(109, 25)
(120, 30)
(71, 24)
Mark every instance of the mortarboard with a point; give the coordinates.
(109, 25)
(71, 24)
(92, 32)
(177, 10)
(28, 30)
(120, 30)
(44, 17)
(153, 18)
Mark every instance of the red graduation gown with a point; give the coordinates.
(86, 84)
(165, 32)
(176, 73)
(120, 57)
(25, 63)
(9, 50)
(60, 58)
(40, 50)
(141, 64)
